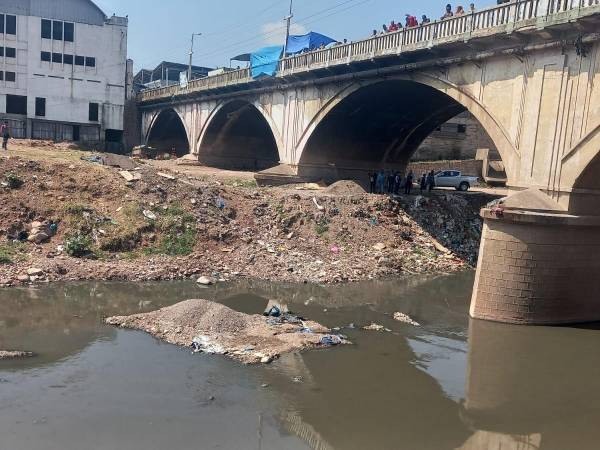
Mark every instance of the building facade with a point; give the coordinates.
(63, 70)
(457, 139)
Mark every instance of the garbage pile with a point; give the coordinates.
(212, 328)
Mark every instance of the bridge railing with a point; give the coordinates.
(428, 35)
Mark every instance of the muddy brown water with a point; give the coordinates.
(450, 384)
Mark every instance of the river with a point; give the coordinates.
(452, 383)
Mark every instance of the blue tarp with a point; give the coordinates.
(264, 62)
(310, 41)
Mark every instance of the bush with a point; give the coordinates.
(14, 182)
(78, 246)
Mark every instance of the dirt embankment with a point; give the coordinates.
(67, 219)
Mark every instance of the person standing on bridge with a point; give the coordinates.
(459, 11)
(448, 12)
(397, 183)
(373, 181)
(423, 183)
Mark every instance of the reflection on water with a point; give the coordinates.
(450, 384)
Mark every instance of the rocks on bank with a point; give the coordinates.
(214, 328)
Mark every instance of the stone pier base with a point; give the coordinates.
(538, 268)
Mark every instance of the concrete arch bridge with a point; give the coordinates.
(528, 71)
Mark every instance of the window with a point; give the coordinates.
(90, 62)
(93, 112)
(1, 23)
(1, 51)
(57, 30)
(460, 128)
(16, 104)
(1, 75)
(11, 24)
(10, 52)
(79, 61)
(57, 57)
(40, 107)
(46, 56)
(69, 32)
(10, 76)
(68, 59)
(46, 29)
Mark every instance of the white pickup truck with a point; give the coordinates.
(453, 178)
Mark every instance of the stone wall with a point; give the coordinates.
(459, 138)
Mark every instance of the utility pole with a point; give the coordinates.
(191, 56)
(289, 23)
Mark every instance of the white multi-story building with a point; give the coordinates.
(63, 70)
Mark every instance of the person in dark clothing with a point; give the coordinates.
(373, 182)
(431, 181)
(397, 183)
(4, 131)
(409, 183)
(423, 182)
(390, 182)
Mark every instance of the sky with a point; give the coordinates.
(161, 30)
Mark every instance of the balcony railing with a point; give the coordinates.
(487, 21)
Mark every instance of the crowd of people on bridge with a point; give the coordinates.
(393, 182)
(411, 21)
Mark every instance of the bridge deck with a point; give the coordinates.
(507, 18)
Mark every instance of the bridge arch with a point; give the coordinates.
(239, 134)
(374, 124)
(167, 131)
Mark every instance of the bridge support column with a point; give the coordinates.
(538, 268)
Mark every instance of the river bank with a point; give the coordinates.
(67, 219)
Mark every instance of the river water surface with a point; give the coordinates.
(452, 383)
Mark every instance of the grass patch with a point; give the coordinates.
(240, 182)
(178, 230)
(11, 252)
(79, 245)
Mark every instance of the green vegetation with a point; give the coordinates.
(178, 230)
(11, 251)
(240, 182)
(78, 245)
(13, 181)
(322, 226)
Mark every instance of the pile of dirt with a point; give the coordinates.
(345, 187)
(214, 328)
(14, 355)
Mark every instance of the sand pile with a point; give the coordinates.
(345, 187)
(213, 328)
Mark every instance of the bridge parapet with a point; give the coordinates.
(496, 20)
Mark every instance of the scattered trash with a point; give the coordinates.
(297, 379)
(15, 354)
(149, 215)
(166, 175)
(220, 203)
(319, 207)
(335, 249)
(129, 176)
(376, 327)
(400, 317)
(331, 340)
(379, 247)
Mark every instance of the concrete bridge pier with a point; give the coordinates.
(537, 265)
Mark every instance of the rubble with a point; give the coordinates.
(14, 354)
(401, 317)
(156, 229)
(209, 327)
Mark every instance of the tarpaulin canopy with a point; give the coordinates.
(310, 41)
(264, 61)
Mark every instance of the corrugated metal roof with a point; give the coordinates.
(81, 11)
